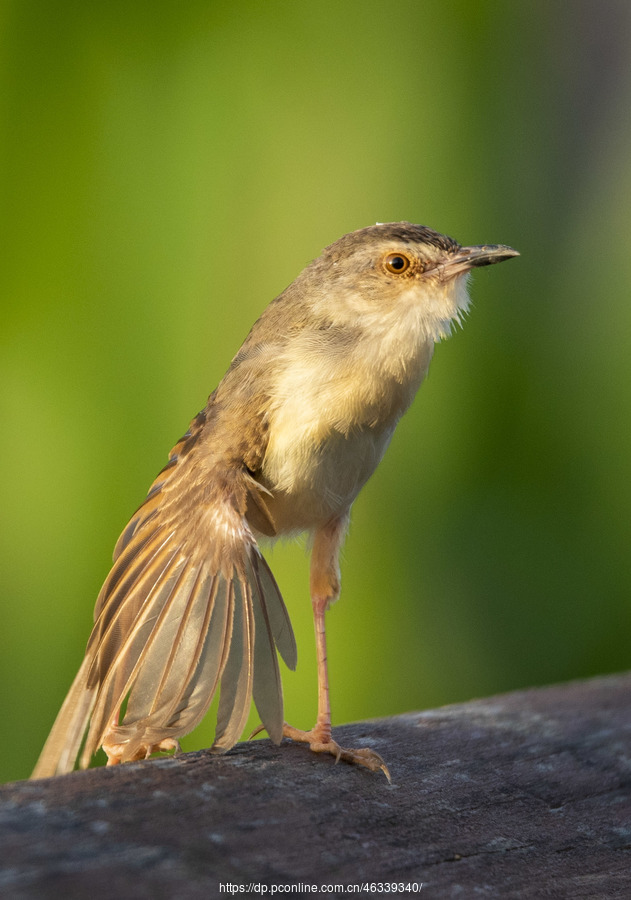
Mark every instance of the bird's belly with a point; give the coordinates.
(311, 483)
(326, 435)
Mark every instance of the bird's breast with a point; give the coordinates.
(328, 430)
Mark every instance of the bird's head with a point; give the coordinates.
(397, 276)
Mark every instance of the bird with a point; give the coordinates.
(295, 428)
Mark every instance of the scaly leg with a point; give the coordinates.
(325, 589)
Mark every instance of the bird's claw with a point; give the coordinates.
(257, 730)
(363, 756)
(116, 752)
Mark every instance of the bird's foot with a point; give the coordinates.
(320, 741)
(116, 752)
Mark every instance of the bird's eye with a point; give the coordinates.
(397, 263)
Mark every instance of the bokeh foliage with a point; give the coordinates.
(167, 168)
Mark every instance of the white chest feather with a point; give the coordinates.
(329, 428)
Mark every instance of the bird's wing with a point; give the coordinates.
(189, 603)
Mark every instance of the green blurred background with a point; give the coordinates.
(168, 168)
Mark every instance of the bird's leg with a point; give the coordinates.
(325, 589)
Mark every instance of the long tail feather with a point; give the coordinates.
(64, 741)
(278, 616)
(268, 689)
(236, 683)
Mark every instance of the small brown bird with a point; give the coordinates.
(296, 427)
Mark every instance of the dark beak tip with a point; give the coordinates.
(507, 252)
(489, 254)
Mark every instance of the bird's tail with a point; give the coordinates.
(189, 604)
(64, 741)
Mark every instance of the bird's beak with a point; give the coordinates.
(469, 257)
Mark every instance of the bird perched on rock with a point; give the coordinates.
(285, 443)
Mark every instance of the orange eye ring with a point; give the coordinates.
(397, 263)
